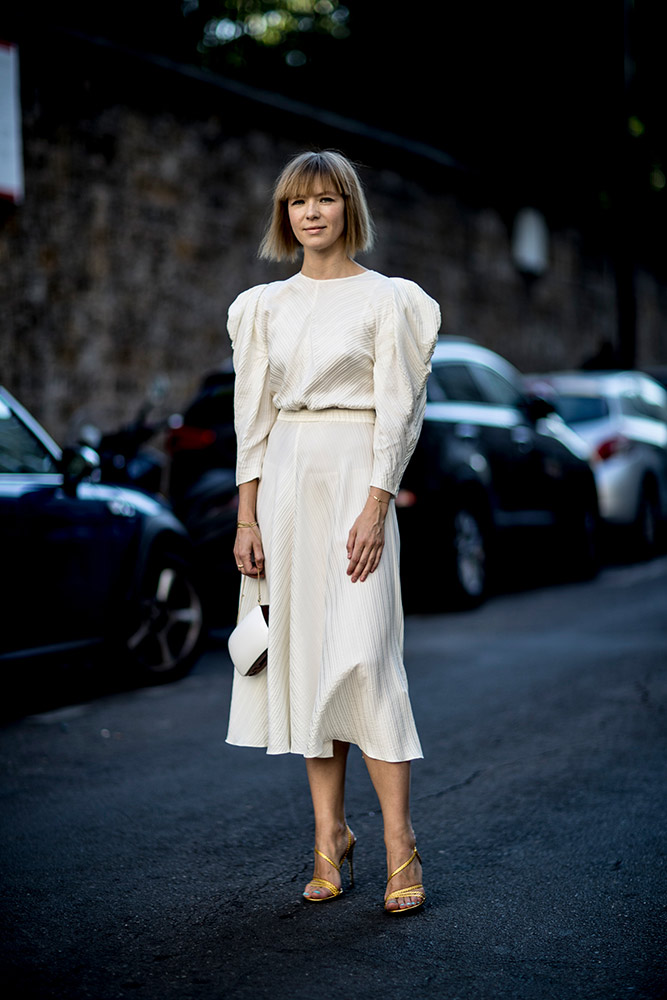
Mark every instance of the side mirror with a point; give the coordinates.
(537, 408)
(76, 465)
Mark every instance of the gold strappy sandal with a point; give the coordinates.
(322, 883)
(412, 890)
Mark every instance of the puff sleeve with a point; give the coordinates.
(406, 336)
(254, 412)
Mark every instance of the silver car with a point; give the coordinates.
(622, 416)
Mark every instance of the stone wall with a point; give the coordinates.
(140, 225)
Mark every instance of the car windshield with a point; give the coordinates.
(20, 451)
(579, 409)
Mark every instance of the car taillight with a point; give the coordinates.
(610, 447)
(186, 438)
(405, 498)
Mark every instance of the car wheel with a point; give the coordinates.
(469, 557)
(647, 524)
(582, 542)
(167, 627)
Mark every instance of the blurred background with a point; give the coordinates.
(514, 155)
(515, 159)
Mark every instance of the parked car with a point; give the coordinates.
(202, 488)
(495, 470)
(89, 564)
(622, 416)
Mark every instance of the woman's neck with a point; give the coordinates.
(323, 266)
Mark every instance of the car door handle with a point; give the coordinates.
(522, 437)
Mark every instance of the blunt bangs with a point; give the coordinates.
(307, 177)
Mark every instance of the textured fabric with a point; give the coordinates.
(329, 399)
(362, 342)
(335, 665)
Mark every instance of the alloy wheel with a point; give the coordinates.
(170, 622)
(470, 554)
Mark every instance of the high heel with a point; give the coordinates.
(323, 883)
(412, 890)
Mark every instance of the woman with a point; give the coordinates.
(331, 368)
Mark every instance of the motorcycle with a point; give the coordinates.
(126, 459)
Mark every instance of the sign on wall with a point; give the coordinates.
(11, 152)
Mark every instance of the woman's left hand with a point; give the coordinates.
(366, 540)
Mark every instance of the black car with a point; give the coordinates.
(87, 564)
(496, 473)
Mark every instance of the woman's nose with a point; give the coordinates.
(312, 209)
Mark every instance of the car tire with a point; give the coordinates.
(647, 523)
(166, 628)
(583, 542)
(468, 557)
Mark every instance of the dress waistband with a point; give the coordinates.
(332, 414)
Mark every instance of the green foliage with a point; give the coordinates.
(264, 34)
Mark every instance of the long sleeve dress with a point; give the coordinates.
(329, 400)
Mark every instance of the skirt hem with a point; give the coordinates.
(298, 753)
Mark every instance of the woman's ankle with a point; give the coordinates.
(330, 829)
(400, 836)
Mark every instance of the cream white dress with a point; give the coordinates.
(329, 400)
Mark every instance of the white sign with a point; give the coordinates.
(11, 151)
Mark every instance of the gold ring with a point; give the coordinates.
(239, 565)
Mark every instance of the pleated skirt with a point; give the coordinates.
(335, 663)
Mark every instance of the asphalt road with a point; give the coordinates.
(144, 858)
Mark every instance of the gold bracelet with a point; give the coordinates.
(247, 524)
(378, 499)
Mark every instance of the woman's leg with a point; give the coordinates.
(326, 776)
(392, 785)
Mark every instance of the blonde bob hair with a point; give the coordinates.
(308, 172)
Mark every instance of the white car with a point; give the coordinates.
(622, 416)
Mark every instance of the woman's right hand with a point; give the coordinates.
(248, 551)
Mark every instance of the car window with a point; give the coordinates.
(20, 450)
(453, 382)
(579, 409)
(495, 388)
(635, 405)
(434, 391)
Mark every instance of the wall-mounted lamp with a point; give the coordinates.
(530, 242)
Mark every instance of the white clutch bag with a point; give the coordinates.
(249, 642)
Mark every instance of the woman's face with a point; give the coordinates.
(318, 218)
